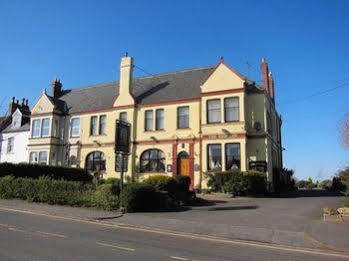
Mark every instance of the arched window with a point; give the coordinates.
(153, 161)
(95, 161)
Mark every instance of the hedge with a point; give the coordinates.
(59, 192)
(35, 171)
(237, 182)
(138, 197)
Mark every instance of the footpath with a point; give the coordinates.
(235, 220)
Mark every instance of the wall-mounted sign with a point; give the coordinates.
(258, 165)
(169, 168)
(122, 137)
(196, 167)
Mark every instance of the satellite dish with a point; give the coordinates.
(257, 126)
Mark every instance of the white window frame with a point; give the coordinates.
(39, 154)
(72, 127)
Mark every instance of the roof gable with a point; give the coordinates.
(43, 105)
(223, 78)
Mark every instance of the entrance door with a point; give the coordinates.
(183, 164)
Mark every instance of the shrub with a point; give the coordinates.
(138, 197)
(238, 183)
(162, 183)
(337, 185)
(60, 192)
(24, 170)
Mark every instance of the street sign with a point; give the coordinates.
(122, 137)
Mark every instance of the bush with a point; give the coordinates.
(337, 185)
(138, 197)
(238, 183)
(25, 170)
(60, 192)
(162, 183)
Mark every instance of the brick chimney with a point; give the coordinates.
(265, 75)
(56, 88)
(271, 86)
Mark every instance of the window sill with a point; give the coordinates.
(95, 135)
(150, 131)
(183, 129)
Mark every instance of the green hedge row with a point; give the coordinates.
(34, 171)
(237, 182)
(59, 192)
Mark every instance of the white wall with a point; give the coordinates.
(20, 151)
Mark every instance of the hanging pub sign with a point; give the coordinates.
(122, 137)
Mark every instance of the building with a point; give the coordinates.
(187, 122)
(15, 133)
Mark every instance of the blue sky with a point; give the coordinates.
(81, 42)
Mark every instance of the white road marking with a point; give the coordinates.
(179, 258)
(17, 230)
(51, 234)
(114, 246)
(193, 236)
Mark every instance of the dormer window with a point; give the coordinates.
(16, 120)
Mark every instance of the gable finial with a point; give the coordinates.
(221, 59)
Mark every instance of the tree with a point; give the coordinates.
(310, 184)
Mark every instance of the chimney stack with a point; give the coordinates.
(265, 75)
(56, 88)
(126, 68)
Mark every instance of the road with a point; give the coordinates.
(25, 236)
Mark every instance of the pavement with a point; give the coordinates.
(292, 222)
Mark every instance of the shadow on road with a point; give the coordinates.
(232, 208)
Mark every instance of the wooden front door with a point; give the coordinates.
(184, 167)
(183, 164)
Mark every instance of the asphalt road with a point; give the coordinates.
(26, 236)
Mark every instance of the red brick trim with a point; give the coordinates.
(123, 107)
(174, 159)
(191, 165)
(166, 141)
(160, 103)
(223, 136)
(239, 90)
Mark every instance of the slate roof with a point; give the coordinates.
(24, 127)
(146, 90)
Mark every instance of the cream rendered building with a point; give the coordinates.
(187, 122)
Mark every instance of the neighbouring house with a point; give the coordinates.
(187, 122)
(15, 133)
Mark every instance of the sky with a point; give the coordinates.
(304, 42)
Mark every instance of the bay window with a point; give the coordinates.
(36, 128)
(45, 127)
(43, 157)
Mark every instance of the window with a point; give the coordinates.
(33, 157)
(36, 128)
(93, 125)
(75, 127)
(153, 160)
(214, 111)
(232, 156)
(118, 163)
(102, 125)
(45, 127)
(231, 109)
(159, 124)
(214, 155)
(43, 157)
(16, 122)
(183, 117)
(148, 120)
(269, 125)
(95, 161)
(123, 116)
(10, 144)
